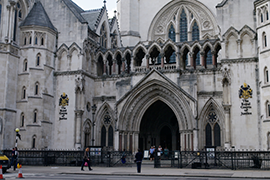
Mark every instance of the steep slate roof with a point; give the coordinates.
(75, 9)
(91, 17)
(38, 17)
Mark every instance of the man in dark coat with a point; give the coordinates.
(138, 159)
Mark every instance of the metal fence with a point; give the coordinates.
(175, 159)
(70, 157)
(215, 160)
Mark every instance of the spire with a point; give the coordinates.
(104, 2)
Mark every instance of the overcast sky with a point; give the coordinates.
(97, 4)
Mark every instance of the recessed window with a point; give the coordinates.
(261, 17)
(0, 12)
(36, 88)
(22, 120)
(25, 65)
(38, 60)
(35, 116)
(264, 39)
(267, 15)
(24, 93)
(25, 41)
(42, 42)
(34, 142)
(36, 40)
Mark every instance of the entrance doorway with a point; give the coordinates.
(159, 126)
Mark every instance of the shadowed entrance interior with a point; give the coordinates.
(159, 126)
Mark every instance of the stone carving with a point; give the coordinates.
(80, 81)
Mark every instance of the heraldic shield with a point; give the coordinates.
(63, 101)
(245, 92)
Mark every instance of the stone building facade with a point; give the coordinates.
(183, 74)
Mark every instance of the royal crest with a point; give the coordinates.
(245, 92)
(63, 101)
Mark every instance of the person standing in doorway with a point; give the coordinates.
(138, 160)
(86, 159)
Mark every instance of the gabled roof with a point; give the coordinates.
(91, 17)
(75, 9)
(38, 17)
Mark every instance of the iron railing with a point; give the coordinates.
(174, 159)
(215, 160)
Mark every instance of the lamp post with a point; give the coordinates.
(94, 108)
(17, 136)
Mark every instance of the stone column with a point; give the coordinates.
(69, 62)
(104, 67)
(179, 60)
(123, 65)
(195, 140)
(8, 25)
(136, 141)
(116, 140)
(239, 48)
(79, 114)
(147, 61)
(114, 66)
(203, 63)
(132, 63)
(227, 126)
(191, 59)
(214, 58)
(162, 59)
(11, 20)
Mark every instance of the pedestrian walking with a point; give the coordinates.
(86, 159)
(123, 157)
(152, 151)
(138, 160)
(15, 160)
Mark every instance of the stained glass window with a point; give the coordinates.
(183, 26)
(198, 58)
(209, 58)
(172, 33)
(195, 32)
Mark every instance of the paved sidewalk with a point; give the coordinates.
(146, 171)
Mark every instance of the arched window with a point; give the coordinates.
(217, 135)
(25, 65)
(35, 116)
(172, 33)
(100, 66)
(34, 142)
(183, 27)
(261, 17)
(24, 92)
(25, 41)
(264, 39)
(30, 40)
(266, 75)
(36, 88)
(42, 42)
(267, 15)
(36, 40)
(22, 120)
(195, 32)
(208, 135)
(267, 104)
(212, 129)
(103, 36)
(110, 136)
(38, 60)
(103, 136)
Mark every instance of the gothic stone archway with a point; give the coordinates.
(133, 106)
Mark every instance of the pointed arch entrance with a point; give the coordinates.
(159, 126)
(155, 90)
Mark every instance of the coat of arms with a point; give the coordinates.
(245, 92)
(63, 101)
